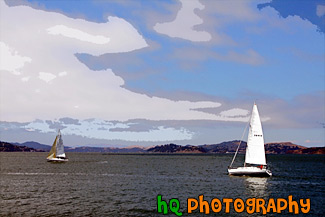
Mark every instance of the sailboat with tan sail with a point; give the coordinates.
(57, 151)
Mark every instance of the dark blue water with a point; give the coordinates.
(94, 184)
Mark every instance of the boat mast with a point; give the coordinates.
(233, 159)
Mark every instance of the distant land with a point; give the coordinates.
(231, 146)
(35, 145)
(221, 148)
(7, 147)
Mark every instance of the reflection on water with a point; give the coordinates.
(257, 186)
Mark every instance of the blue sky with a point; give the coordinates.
(143, 73)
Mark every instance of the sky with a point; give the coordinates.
(141, 73)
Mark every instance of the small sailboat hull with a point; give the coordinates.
(249, 171)
(57, 160)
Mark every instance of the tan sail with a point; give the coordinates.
(52, 153)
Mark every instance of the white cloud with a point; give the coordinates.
(95, 94)
(10, 60)
(234, 112)
(38, 125)
(207, 20)
(217, 15)
(64, 73)
(100, 129)
(47, 77)
(320, 10)
(184, 23)
(77, 34)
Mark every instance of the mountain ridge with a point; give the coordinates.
(219, 148)
(8, 147)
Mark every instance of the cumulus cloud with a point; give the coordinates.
(77, 34)
(184, 24)
(205, 21)
(50, 82)
(234, 112)
(64, 73)
(58, 85)
(11, 60)
(100, 129)
(45, 76)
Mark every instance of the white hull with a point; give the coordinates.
(57, 159)
(249, 171)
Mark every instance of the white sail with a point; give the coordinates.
(255, 152)
(60, 147)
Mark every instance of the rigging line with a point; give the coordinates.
(239, 145)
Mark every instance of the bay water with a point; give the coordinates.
(97, 184)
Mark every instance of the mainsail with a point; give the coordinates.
(255, 152)
(60, 147)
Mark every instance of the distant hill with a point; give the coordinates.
(226, 147)
(47, 148)
(173, 148)
(34, 145)
(7, 147)
(231, 147)
(221, 148)
(314, 150)
(282, 148)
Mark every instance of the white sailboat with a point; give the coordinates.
(255, 161)
(57, 151)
